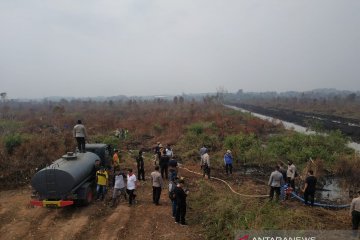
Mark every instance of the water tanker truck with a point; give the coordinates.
(70, 179)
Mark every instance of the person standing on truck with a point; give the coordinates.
(140, 166)
(131, 186)
(157, 185)
(80, 134)
(102, 182)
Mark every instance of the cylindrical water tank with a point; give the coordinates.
(57, 180)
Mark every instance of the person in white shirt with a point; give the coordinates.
(205, 164)
(80, 134)
(131, 186)
(291, 174)
(119, 188)
(169, 151)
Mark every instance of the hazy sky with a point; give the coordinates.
(148, 47)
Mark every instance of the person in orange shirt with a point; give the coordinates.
(116, 159)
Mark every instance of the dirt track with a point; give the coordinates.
(18, 220)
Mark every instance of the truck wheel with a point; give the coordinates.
(89, 196)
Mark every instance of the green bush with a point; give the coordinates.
(110, 140)
(244, 147)
(300, 147)
(196, 128)
(233, 213)
(12, 141)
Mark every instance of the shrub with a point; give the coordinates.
(196, 128)
(244, 147)
(109, 140)
(300, 147)
(12, 141)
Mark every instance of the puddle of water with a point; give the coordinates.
(335, 190)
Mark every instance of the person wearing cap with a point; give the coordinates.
(80, 134)
(228, 160)
(180, 196)
(101, 181)
(355, 212)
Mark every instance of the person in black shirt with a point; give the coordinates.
(173, 169)
(180, 197)
(140, 166)
(309, 188)
(164, 164)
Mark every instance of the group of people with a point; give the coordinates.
(124, 185)
(177, 193)
(121, 133)
(281, 176)
(205, 161)
(166, 169)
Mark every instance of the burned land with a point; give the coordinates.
(35, 134)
